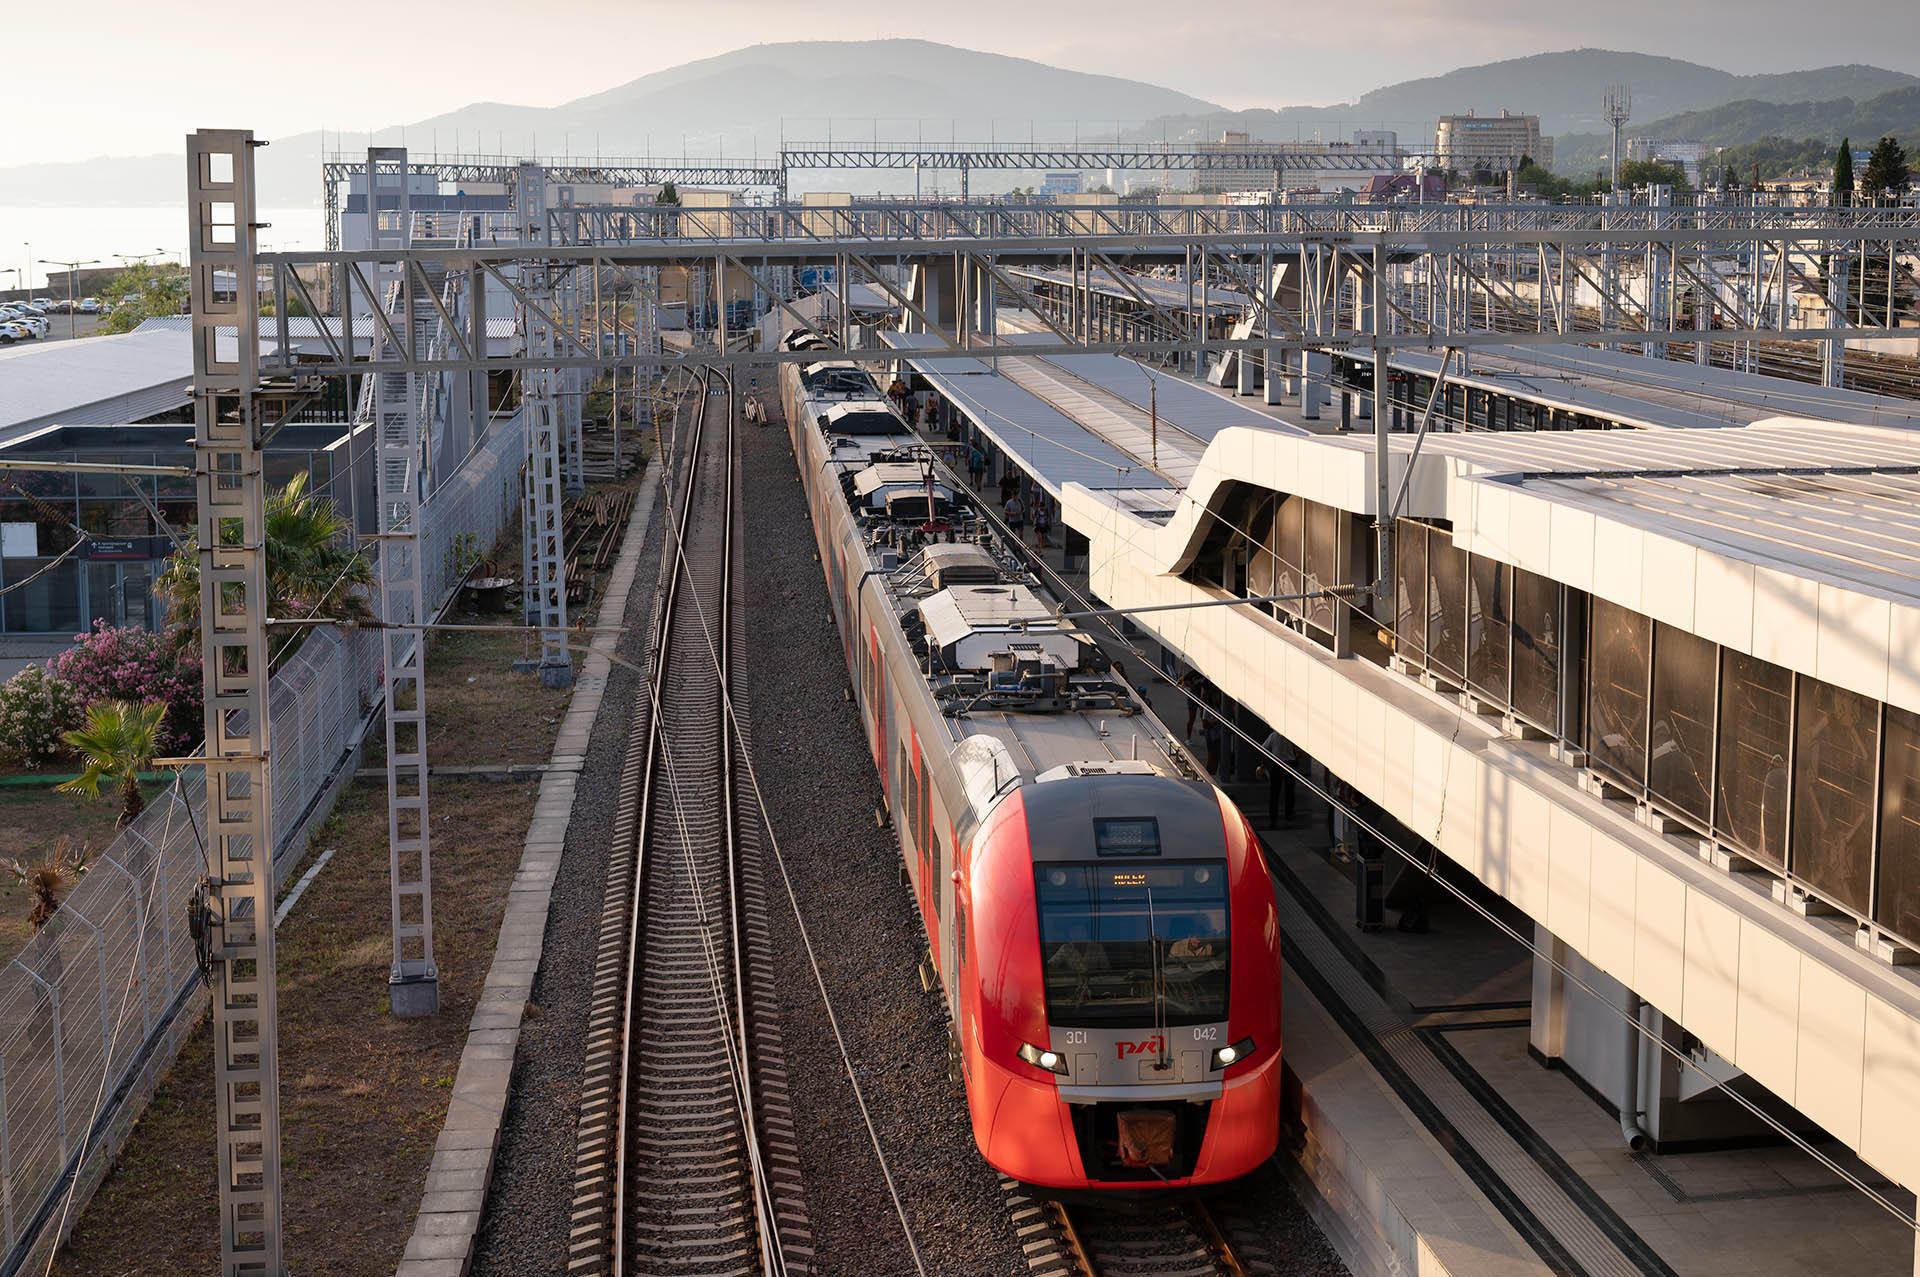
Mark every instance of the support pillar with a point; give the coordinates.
(1382, 421)
(231, 516)
(1833, 350)
(545, 551)
(413, 981)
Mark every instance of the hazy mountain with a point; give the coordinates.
(743, 103)
(727, 106)
(1816, 125)
(1564, 89)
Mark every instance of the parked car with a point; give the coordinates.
(13, 330)
(89, 305)
(16, 313)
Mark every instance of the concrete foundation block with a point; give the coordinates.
(415, 997)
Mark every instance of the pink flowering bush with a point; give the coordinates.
(133, 664)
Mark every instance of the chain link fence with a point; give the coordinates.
(95, 1007)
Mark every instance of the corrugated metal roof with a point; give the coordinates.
(1166, 293)
(1045, 442)
(94, 380)
(1776, 444)
(1655, 393)
(1191, 407)
(1861, 530)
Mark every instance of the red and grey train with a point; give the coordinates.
(1102, 921)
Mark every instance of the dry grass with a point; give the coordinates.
(363, 1095)
(478, 710)
(32, 820)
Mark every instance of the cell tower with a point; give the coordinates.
(1618, 108)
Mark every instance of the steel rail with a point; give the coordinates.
(678, 1121)
(1181, 1241)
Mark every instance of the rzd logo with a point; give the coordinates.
(1152, 1046)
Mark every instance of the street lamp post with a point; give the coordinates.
(73, 268)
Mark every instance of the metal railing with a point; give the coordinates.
(94, 1007)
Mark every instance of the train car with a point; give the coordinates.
(1100, 917)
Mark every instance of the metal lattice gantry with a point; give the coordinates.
(413, 982)
(229, 414)
(1458, 287)
(1268, 159)
(544, 540)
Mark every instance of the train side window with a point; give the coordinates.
(904, 789)
(960, 931)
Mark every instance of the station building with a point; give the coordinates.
(1646, 672)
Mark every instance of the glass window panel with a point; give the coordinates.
(1750, 801)
(1487, 626)
(1410, 589)
(1836, 745)
(1446, 604)
(49, 604)
(1536, 649)
(1323, 561)
(1263, 566)
(1898, 907)
(1680, 762)
(1617, 690)
(1290, 532)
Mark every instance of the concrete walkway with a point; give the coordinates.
(449, 1216)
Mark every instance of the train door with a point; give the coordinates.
(879, 707)
(962, 988)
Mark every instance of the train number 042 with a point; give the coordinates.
(1208, 1034)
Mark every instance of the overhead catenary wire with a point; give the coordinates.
(806, 941)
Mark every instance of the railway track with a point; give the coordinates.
(685, 1158)
(1154, 1240)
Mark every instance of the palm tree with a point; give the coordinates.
(312, 568)
(117, 743)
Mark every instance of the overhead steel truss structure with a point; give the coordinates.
(775, 172)
(1439, 279)
(601, 224)
(1458, 288)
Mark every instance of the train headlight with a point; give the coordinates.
(1233, 1054)
(1041, 1057)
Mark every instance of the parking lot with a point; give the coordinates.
(58, 327)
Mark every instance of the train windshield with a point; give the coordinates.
(1133, 946)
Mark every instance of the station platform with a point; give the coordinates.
(1428, 1138)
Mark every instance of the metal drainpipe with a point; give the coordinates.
(1630, 1129)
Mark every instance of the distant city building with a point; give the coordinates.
(1376, 140)
(1494, 141)
(1688, 155)
(1062, 184)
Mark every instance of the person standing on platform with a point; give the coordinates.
(1016, 512)
(1279, 779)
(977, 467)
(1042, 523)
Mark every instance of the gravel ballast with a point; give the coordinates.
(817, 775)
(530, 1200)
(821, 791)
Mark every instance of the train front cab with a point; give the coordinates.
(1057, 1075)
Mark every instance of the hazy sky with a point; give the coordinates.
(129, 77)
